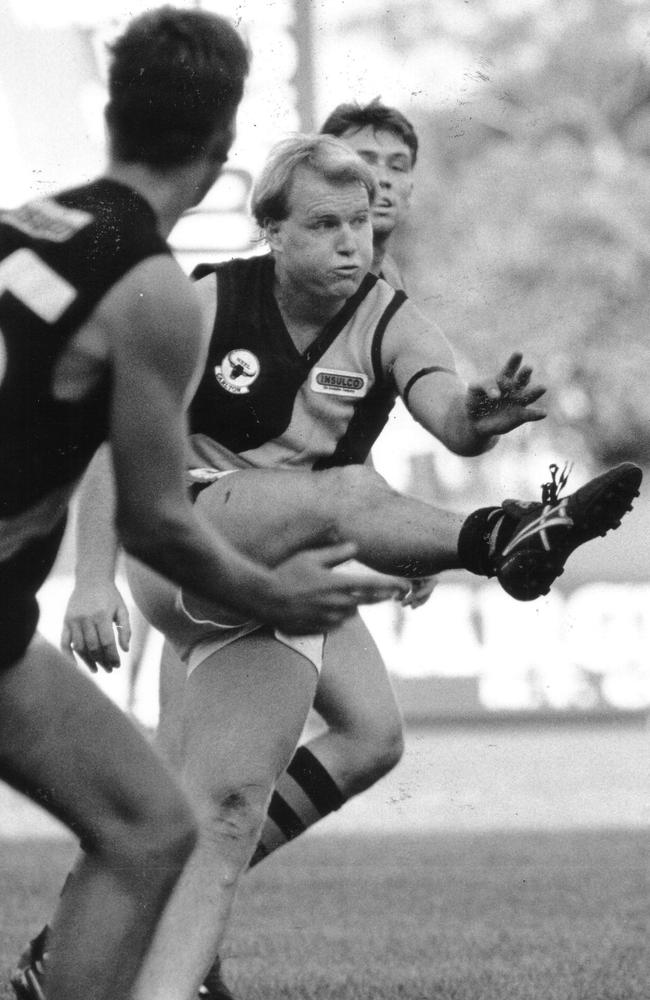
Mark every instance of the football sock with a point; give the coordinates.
(304, 794)
(38, 945)
(483, 534)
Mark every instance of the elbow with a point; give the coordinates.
(466, 449)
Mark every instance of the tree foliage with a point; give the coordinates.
(532, 223)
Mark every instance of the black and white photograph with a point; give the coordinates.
(324, 516)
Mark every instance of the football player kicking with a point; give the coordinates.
(308, 353)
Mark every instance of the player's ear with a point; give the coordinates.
(273, 233)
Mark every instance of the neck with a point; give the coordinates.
(169, 194)
(300, 305)
(304, 316)
(379, 250)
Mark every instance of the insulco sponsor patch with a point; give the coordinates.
(339, 383)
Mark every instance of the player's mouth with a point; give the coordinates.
(347, 270)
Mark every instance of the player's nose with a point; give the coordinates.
(347, 239)
(382, 176)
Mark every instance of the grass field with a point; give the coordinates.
(494, 864)
(516, 916)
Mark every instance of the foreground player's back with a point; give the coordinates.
(59, 257)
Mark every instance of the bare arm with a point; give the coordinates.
(96, 605)
(466, 419)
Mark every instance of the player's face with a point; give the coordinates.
(324, 247)
(390, 161)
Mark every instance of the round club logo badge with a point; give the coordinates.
(237, 371)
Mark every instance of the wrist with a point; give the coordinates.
(473, 440)
(92, 579)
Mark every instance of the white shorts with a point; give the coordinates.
(193, 639)
(309, 646)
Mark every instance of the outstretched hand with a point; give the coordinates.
(499, 406)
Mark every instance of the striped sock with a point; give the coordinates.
(482, 533)
(304, 794)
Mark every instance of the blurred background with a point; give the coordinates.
(530, 229)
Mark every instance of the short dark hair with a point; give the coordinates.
(175, 77)
(353, 117)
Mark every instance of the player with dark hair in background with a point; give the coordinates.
(387, 141)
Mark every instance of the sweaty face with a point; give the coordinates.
(390, 160)
(324, 247)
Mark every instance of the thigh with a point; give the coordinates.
(270, 514)
(354, 693)
(243, 712)
(68, 747)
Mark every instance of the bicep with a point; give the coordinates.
(423, 368)
(156, 347)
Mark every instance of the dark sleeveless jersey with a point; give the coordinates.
(275, 406)
(59, 256)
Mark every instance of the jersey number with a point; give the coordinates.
(37, 286)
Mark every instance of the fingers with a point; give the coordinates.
(522, 377)
(420, 592)
(334, 555)
(72, 641)
(509, 370)
(123, 626)
(525, 398)
(380, 587)
(512, 385)
(532, 413)
(66, 640)
(93, 642)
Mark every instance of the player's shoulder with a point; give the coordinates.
(407, 315)
(154, 300)
(391, 273)
(410, 329)
(239, 279)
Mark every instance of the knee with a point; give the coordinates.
(386, 750)
(230, 821)
(373, 751)
(359, 483)
(156, 839)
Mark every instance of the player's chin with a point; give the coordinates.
(346, 283)
(383, 222)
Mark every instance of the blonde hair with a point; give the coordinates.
(324, 154)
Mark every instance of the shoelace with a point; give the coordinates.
(551, 491)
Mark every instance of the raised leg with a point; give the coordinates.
(273, 513)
